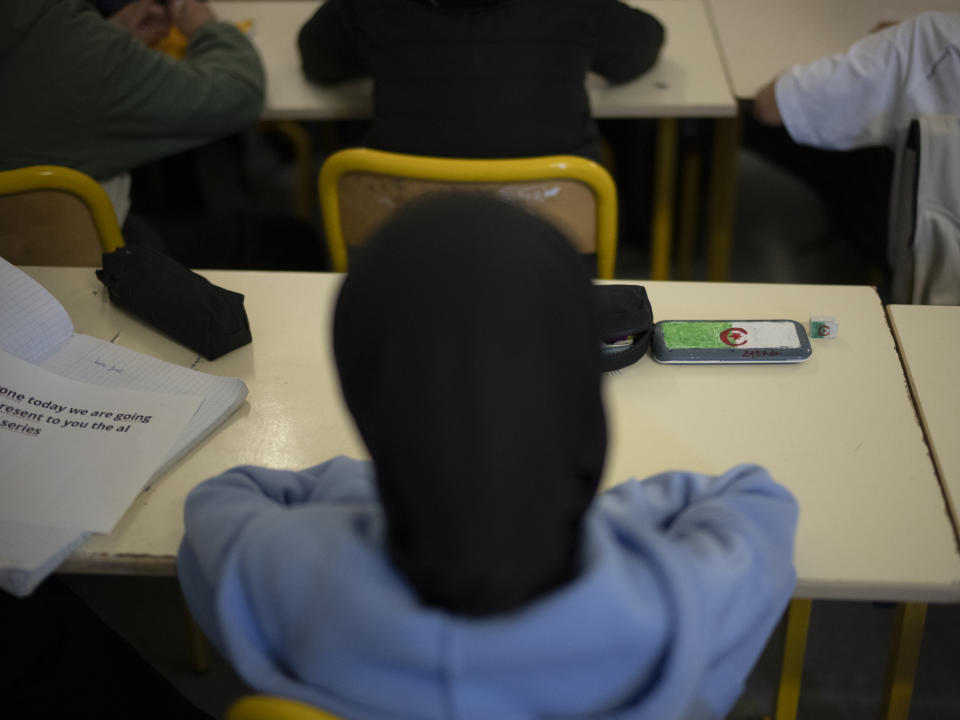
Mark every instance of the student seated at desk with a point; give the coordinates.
(88, 93)
(864, 100)
(480, 78)
(470, 570)
(868, 95)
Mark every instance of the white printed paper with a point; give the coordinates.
(74, 454)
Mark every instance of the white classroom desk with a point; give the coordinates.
(839, 430)
(761, 38)
(688, 80)
(928, 338)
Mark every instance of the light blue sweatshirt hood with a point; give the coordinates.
(682, 578)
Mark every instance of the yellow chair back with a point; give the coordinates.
(51, 215)
(269, 707)
(361, 188)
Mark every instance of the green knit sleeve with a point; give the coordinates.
(125, 104)
(79, 91)
(227, 78)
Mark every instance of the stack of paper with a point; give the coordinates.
(84, 425)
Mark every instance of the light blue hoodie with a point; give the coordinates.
(682, 578)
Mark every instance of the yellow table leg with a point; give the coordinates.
(663, 192)
(902, 661)
(723, 196)
(795, 647)
(306, 176)
(689, 207)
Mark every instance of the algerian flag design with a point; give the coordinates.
(708, 334)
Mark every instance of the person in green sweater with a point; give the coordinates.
(87, 92)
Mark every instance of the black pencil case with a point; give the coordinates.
(626, 324)
(170, 297)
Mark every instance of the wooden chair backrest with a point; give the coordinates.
(367, 200)
(361, 188)
(48, 227)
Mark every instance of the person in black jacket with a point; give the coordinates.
(480, 78)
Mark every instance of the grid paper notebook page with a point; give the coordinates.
(32, 323)
(35, 327)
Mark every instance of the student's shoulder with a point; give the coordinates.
(934, 31)
(948, 22)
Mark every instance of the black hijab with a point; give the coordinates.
(466, 343)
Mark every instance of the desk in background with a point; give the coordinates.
(688, 81)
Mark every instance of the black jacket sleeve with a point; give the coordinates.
(328, 44)
(628, 42)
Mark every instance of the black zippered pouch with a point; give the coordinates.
(189, 308)
(626, 324)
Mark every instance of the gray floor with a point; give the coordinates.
(781, 235)
(779, 238)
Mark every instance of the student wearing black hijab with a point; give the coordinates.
(483, 384)
(480, 78)
(469, 571)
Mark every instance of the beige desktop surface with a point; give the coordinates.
(760, 38)
(839, 429)
(688, 80)
(929, 340)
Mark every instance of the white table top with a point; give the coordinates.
(839, 429)
(688, 81)
(761, 38)
(929, 341)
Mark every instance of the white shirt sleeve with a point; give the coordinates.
(118, 190)
(868, 95)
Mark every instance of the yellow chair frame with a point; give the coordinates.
(83, 187)
(453, 171)
(270, 707)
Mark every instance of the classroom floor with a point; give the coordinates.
(780, 237)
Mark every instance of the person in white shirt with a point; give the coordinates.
(868, 95)
(867, 98)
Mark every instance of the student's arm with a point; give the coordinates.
(128, 104)
(146, 20)
(628, 41)
(218, 87)
(864, 96)
(842, 101)
(328, 45)
(730, 546)
(219, 510)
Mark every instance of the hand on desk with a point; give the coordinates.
(146, 20)
(189, 15)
